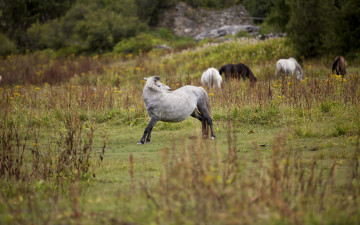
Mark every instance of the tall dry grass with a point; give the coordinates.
(200, 184)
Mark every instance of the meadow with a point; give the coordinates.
(286, 152)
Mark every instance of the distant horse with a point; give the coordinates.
(175, 106)
(339, 65)
(245, 72)
(288, 67)
(211, 78)
(229, 70)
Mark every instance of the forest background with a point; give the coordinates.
(315, 27)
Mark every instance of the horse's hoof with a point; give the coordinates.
(212, 137)
(140, 143)
(147, 142)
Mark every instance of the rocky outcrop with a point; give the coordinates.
(199, 23)
(225, 30)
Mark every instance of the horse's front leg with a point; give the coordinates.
(147, 132)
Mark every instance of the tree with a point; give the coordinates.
(150, 10)
(318, 27)
(308, 25)
(16, 16)
(279, 14)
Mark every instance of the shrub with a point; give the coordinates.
(7, 47)
(48, 35)
(142, 42)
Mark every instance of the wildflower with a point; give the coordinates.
(279, 96)
(17, 94)
(17, 86)
(211, 94)
(37, 88)
(73, 86)
(289, 83)
(275, 85)
(117, 91)
(83, 74)
(11, 98)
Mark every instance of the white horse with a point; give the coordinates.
(288, 67)
(175, 106)
(211, 78)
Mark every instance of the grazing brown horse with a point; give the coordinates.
(229, 70)
(245, 72)
(238, 71)
(339, 65)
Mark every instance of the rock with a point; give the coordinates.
(184, 20)
(270, 35)
(226, 30)
(163, 46)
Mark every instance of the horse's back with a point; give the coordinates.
(174, 106)
(285, 65)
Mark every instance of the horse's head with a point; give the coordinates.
(155, 84)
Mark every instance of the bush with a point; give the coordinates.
(142, 42)
(48, 35)
(7, 47)
(87, 27)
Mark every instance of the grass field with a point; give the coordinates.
(286, 152)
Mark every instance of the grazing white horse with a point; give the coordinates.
(175, 106)
(288, 67)
(211, 78)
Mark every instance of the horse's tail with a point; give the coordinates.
(207, 110)
(278, 68)
(335, 63)
(343, 65)
(216, 77)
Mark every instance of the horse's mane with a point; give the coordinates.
(221, 70)
(297, 65)
(251, 75)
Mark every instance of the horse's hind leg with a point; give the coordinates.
(147, 132)
(198, 116)
(204, 112)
